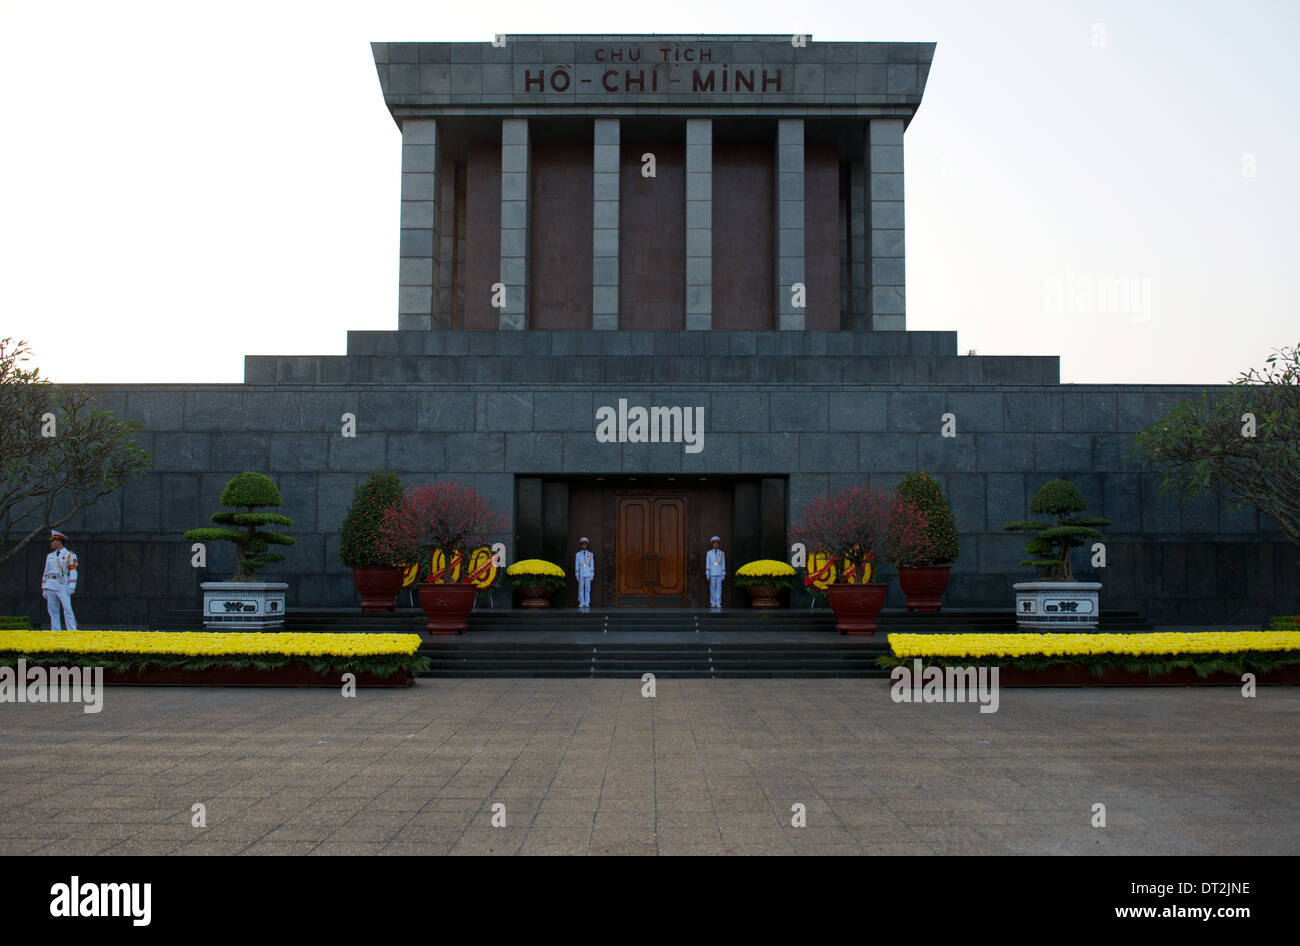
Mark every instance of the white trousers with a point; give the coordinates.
(584, 592)
(715, 591)
(54, 597)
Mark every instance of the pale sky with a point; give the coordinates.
(182, 184)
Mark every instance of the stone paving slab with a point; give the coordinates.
(706, 767)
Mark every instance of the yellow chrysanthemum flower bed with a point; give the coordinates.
(207, 643)
(765, 568)
(1205, 652)
(198, 650)
(535, 566)
(1023, 645)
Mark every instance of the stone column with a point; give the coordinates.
(789, 223)
(858, 212)
(417, 292)
(604, 225)
(446, 315)
(514, 222)
(699, 223)
(885, 196)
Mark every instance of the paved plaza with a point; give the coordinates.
(705, 767)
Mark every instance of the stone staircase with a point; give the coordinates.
(673, 644)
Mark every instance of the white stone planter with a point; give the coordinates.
(243, 605)
(1057, 605)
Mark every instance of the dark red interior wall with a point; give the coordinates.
(482, 233)
(821, 191)
(559, 236)
(652, 238)
(593, 509)
(743, 236)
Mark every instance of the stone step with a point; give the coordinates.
(563, 620)
(543, 342)
(836, 368)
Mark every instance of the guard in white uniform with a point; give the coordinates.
(59, 582)
(584, 569)
(715, 568)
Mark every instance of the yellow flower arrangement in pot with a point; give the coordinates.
(764, 580)
(536, 580)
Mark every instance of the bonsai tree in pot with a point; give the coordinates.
(1058, 599)
(243, 601)
(444, 524)
(763, 581)
(363, 547)
(923, 567)
(852, 526)
(536, 580)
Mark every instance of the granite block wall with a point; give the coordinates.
(1192, 562)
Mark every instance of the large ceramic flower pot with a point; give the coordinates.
(1057, 605)
(763, 596)
(447, 606)
(378, 586)
(924, 585)
(243, 605)
(535, 596)
(856, 606)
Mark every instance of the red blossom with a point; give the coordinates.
(859, 523)
(446, 517)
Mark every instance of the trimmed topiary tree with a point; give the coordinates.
(362, 543)
(250, 491)
(942, 546)
(1050, 547)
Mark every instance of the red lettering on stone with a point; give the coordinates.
(701, 85)
(776, 79)
(529, 80)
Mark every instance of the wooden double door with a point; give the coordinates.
(651, 555)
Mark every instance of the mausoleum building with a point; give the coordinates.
(653, 289)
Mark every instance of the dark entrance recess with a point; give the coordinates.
(649, 534)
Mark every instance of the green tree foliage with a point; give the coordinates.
(1241, 444)
(929, 497)
(362, 543)
(59, 453)
(1050, 547)
(250, 491)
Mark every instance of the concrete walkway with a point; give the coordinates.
(705, 767)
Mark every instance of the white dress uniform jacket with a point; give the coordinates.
(715, 563)
(58, 583)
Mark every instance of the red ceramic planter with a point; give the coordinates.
(1118, 677)
(535, 596)
(763, 596)
(856, 606)
(924, 585)
(378, 587)
(447, 606)
(248, 677)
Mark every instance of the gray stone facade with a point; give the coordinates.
(826, 420)
(869, 90)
